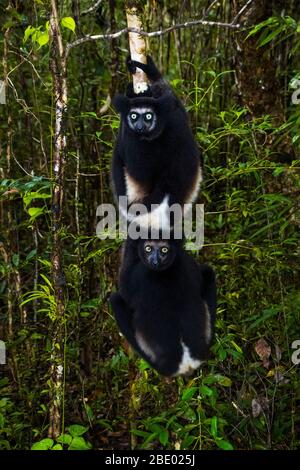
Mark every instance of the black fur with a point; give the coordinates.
(166, 161)
(157, 87)
(165, 306)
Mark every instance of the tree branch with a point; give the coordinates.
(241, 11)
(152, 34)
(92, 8)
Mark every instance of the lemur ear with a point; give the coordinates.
(121, 103)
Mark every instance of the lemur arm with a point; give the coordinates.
(117, 175)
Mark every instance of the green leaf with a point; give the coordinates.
(69, 23)
(91, 303)
(155, 427)
(278, 171)
(271, 36)
(143, 365)
(189, 393)
(222, 354)
(237, 348)
(46, 280)
(77, 430)
(214, 426)
(31, 254)
(265, 315)
(218, 378)
(85, 314)
(78, 443)
(138, 432)
(28, 32)
(4, 382)
(35, 212)
(225, 445)
(190, 414)
(259, 26)
(16, 260)
(206, 390)
(3, 402)
(43, 38)
(164, 437)
(65, 439)
(225, 381)
(187, 441)
(44, 444)
(29, 196)
(149, 439)
(57, 447)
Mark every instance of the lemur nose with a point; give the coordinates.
(154, 260)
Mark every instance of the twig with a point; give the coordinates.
(92, 8)
(23, 58)
(241, 11)
(208, 9)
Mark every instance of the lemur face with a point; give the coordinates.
(157, 255)
(142, 121)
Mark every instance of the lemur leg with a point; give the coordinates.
(123, 315)
(209, 289)
(118, 176)
(156, 214)
(149, 69)
(209, 294)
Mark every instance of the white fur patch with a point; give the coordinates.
(144, 346)
(188, 364)
(141, 110)
(140, 87)
(134, 191)
(207, 324)
(194, 193)
(158, 219)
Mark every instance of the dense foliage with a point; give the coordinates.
(247, 396)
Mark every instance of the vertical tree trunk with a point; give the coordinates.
(114, 61)
(9, 216)
(259, 87)
(10, 247)
(137, 45)
(58, 70)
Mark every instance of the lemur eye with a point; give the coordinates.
(148, 116)
(164, 249)
(133, 116)
(148, 248)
